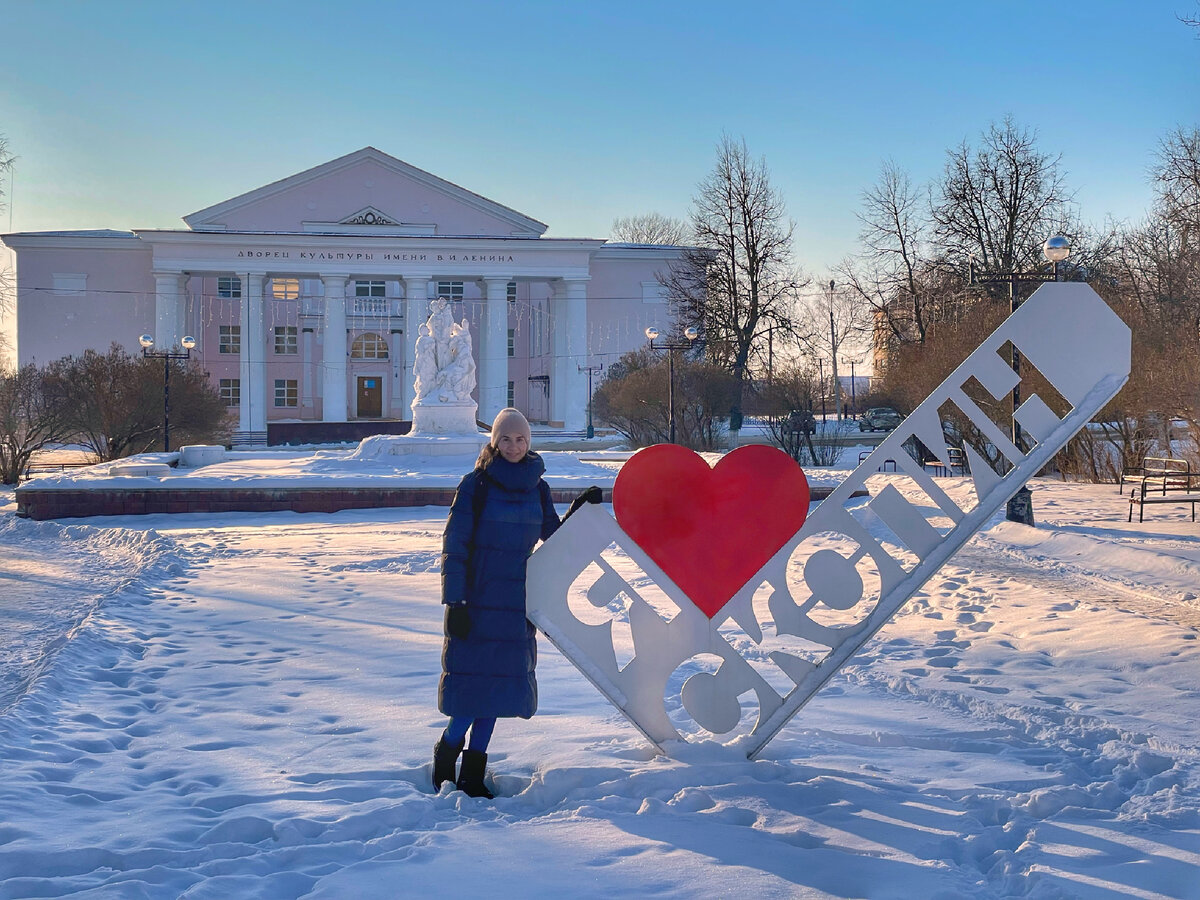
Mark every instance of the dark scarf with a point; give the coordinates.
(519, 476)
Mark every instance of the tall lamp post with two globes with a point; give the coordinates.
(148, 351)
(591, 370)
(1056, 250)
(690, 336)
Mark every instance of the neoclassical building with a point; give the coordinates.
(305, 295)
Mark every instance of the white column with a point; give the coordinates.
(568, 319)
(395, 394)
(493, 350)
(189, 323)
(333, 392)
(558, 349)
(307, 401)
(416, 312)
(169, 291)
(252, 413)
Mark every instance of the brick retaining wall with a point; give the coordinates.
(34, 503)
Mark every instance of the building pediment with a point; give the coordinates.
(371, 221)
(369, 215)
(367, 191)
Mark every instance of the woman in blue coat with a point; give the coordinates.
(500, 511)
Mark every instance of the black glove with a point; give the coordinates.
(458, 621)
(591, 495)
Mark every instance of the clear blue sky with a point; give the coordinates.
(133, 114)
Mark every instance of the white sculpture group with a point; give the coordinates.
(444, 375)
(741, 672)
(443, 364)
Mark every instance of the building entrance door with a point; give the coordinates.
(370, 397)
(539, 398)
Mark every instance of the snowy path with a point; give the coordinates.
(250, 712)
(1081, 585)
(51, 578)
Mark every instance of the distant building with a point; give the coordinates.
(854, 390)
(304, 297)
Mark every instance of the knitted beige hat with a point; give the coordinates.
(508, 420)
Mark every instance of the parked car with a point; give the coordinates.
(801, 421)
(879, 418)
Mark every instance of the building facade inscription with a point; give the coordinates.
(368, 256)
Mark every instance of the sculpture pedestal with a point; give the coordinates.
(379, 446)
(456, 418)
(438, 429)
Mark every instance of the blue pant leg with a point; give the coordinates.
(456, 731)
(481, 734)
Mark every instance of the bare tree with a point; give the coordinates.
(114, 412)
(30, 418)
(1151, 276)
(787, 407)
(6, 279)
(1191, 22)
(829, 321)
(1176, 175)
(650, 228)
(740, 282)
(890, 277)
(633, 400)
(995, 204)
(6, 161)
(116, 402)
(1157, 279)
(999, 202)
(1157, 270)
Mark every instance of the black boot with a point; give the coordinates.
(470, 779)
(445, 761)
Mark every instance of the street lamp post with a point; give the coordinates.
(821, 380)
(853, 397)
(1056, 249)
(166, 356)
(690, 335)
(591, 370)
(833, 345)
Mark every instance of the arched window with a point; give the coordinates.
(369, 345)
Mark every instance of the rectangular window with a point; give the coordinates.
(510, 393)
(512, 292)
(452, 290)
(69, 284)
(287, 391)
(231, 339)
(231, 391)
(512, 342)
(229, 287)
(285, 288)
(286, 339)
(370, 289)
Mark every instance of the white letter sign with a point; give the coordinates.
(740, 609)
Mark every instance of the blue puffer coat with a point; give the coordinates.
(490, 672)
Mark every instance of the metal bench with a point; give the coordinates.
(49, 468)
(883, 468)
(954, 461)
(1167, 471)
(1159, 489)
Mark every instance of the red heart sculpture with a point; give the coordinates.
(710, 529)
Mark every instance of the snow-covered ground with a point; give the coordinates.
(244, 705)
